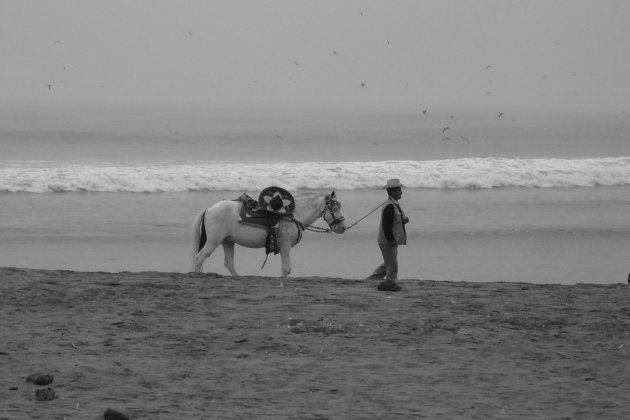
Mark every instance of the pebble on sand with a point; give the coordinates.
(111, 414)
(45, 394)
(40, 378)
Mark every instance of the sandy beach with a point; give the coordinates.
(508, 126)
(171, 345)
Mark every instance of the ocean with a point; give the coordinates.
(526, 198)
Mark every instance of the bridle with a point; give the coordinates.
(329, 208)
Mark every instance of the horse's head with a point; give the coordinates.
(332, 214)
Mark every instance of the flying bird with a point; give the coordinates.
(501, 114)
(49, 86)
(444, 129)
(488, 67)
(363, 84)
(424, 111)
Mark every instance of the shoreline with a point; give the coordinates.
(164, 345)
(62, 273)
(564, 235)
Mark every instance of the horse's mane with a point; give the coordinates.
(307, 194)
(305, 197)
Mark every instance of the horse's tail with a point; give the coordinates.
(199, 232)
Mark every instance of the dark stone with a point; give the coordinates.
(389, 286)
(40, 378)
(45, 394)
(111, 414)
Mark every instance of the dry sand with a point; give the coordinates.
(183, 346)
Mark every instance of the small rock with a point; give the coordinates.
(45, 394)
(44, 380)
(389, 286)
(111, 414)
(40, 378)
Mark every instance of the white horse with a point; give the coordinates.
(222, 226)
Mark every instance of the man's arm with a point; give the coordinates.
(388, 222)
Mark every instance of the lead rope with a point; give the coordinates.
(377, 207)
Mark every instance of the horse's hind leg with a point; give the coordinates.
(201, 256)
(228, 250)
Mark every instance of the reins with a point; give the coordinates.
(302, 226)
(355, 223)
(318, 229)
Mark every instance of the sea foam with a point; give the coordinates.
(468, 173)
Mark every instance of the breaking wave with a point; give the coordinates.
(469, 173)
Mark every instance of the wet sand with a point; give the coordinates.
(546, 235)
(170, 345)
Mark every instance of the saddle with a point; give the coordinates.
(253, 214)
(265, 213)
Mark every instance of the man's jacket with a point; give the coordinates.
(392, 227)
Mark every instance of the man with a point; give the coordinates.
(391, 232)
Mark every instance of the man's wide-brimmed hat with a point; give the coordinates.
(393, 183)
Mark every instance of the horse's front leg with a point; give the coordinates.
(285, 258)
(286, 239)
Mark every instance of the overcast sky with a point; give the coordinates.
(555, 56)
